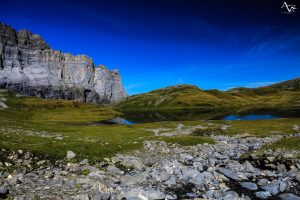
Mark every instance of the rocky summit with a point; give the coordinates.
(30, 67)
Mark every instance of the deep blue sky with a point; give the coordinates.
(156, 43)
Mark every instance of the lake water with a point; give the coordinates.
(144, 117)
(249, 117)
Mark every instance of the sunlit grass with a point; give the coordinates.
(71, 120)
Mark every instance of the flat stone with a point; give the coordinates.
(59, 138)
(249, 167)
(164, 176)
(289, 196)
(271, 159)
(263, 194)
(263, 181)
(229, 173)
(271, 188)
(84, 162)
(153, 194)
(41, 162)
(288, 155)
(231, 195)
(249, 185)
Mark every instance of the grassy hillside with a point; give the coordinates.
(293, 85)
(37, 125)
(180, 96)
(282, 95)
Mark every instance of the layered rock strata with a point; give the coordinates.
(30, 67)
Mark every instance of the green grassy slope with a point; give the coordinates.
(27, 116)
(22, 124)
(191, 97)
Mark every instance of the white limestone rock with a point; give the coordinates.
(30, 67)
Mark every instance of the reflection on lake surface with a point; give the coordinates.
(191, 115)
(120, 120)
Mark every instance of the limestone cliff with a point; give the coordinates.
(30, 67)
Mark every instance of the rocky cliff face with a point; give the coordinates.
(30, 67)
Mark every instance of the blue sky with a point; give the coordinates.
(216, 44)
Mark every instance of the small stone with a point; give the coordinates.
(48, 174)
(271, 159)
(59, 138)
(169, 197)
(27, 155)
(153, 194)
(263, 195)
(254, 157)
(222, 185)
(104, 190)
(186, 158)
(229, 173)
(289, 196)
(41, 162)
(82, 197)
(288, 155)
(262, 182)
(84, 162)
(282, 186)
(281, 168)
(249, 167)
(272, 188)
(231, 195)
(271, 166)
(7, 164)
(164, 176)
(70, 155)
(249, 185)
(20, 151)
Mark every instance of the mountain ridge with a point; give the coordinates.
(185, 96)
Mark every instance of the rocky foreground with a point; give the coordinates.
(159, 171)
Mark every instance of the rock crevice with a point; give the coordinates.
(30, 67)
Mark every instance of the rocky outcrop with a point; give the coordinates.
(30, 67)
